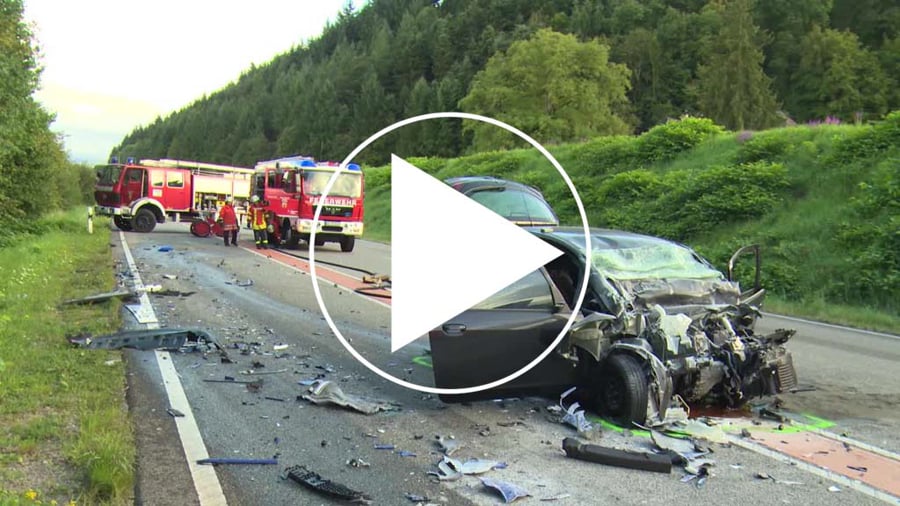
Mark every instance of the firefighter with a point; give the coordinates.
(228, 221)
(256, 220)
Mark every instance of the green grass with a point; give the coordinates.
(64, 427)
(838, 314)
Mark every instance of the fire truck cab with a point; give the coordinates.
(292, 187)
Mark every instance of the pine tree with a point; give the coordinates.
(733, 90)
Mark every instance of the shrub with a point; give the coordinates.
(765, 146)
(605, 155)
(664, 142)
(869, 141)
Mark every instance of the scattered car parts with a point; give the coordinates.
(645, 461)
(315, 482)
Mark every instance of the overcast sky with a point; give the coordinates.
(111, 65)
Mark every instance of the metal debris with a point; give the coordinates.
(509, 491)
(327, 392)
(315, 482)
(152, 339)
(682, 450)
(614, 457)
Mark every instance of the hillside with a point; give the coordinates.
(823, 201)
(392, 59)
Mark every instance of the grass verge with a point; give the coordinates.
(65, 435)
(838, 314)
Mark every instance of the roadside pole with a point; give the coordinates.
(90, 221)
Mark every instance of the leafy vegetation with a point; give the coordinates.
(746, 64)
(822, 201)
(35, 175)
(64, 427)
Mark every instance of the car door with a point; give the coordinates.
(499, 336)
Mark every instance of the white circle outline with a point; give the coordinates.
(342, 167)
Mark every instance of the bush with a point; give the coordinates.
(765, 146)
(377, 177)
(664, 142)
(869, 141)
(605, 155)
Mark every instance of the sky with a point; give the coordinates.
(112, 65)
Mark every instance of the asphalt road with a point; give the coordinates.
(852, 373)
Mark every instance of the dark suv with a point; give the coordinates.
(517, 202)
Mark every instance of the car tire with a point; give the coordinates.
(291, 237)
(347, 244)
(122, 223)
(620, 390)
(144, 221)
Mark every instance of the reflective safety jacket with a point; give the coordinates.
(257, 217)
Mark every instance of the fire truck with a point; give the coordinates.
(292, 187)
(138, 195)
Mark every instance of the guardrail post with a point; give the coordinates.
(90, 220)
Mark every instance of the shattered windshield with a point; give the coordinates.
(109, 174)
(624, 256)
(347, 184)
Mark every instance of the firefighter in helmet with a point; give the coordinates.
(256, 220)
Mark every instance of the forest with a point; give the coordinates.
(561, 70)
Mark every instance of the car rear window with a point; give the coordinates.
(515, 205)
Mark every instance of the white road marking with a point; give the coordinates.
(206, 483)
(836, 327)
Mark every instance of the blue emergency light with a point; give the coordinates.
(130, 159)
(114, 159)
(352, 166)
(307, 163)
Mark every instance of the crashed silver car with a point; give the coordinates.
(659, 325)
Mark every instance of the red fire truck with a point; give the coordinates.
(292, 187)
(138, 195)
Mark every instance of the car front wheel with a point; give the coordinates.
(620, 389)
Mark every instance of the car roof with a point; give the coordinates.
(602, 238)
(465, 184)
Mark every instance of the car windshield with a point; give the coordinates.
(515, 205)
(633, 257)
(109, 174)
(348, 184)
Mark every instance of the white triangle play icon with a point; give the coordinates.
(448, 253)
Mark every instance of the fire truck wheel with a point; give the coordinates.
(144, 221)
(122, 223)
(291, 237)
(347, 244)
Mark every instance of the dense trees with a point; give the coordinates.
(35, 175)
(745, 63)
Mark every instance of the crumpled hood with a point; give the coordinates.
(644, 293)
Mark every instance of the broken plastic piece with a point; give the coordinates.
(238, 461)
(574, 416)
(614, 457)
(452, 469)
(416, 498)
(327, 392)
(683, 450)
(384, 446)
(174, 412)
(509, 491)
(165, 249)
(355, 462)
(447, 446)
(314, 481)
(405, 453)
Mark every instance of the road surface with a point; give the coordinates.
(851, 374)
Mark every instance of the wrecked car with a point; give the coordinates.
(659, 325)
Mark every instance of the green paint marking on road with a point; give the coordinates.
(423, 361)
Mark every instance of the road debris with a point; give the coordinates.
(226, 460)
(170, 276)
(630, 459)
(509, 491)
(102, 297)
(574, 416)
(450, 469)
(834, 488)
(315, 482)
(447, 446)
(681, 450)
(151, 339)
(557, 497)
(405, 453)
(237, 282)
(165, 249)
(416, 498)
(174, 413)
(357, 462)
(327, 392)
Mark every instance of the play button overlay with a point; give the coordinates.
(448, 253)
(451, 257)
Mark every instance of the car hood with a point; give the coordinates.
(677, 293)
